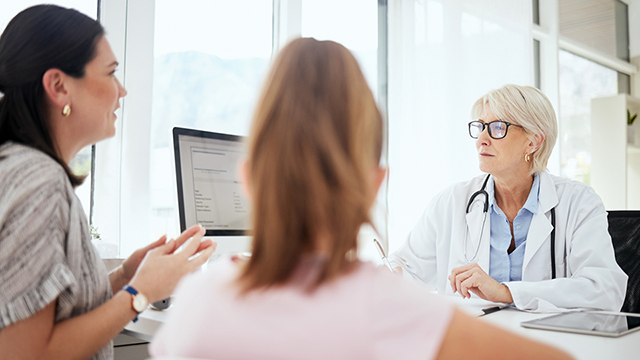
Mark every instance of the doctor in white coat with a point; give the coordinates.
(492, 236)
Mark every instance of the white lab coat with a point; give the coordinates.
(587, 275)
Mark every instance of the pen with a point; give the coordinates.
(491, 310)
(382, 255)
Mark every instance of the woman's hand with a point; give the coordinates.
(123, 274)
(162, 267)
(471, 278)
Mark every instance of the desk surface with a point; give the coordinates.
(582, 347)
(578, 345)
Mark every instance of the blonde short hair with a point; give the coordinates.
(528, 107)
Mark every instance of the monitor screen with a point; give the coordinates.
(209, 189)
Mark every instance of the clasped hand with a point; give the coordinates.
(156, 269)
(471, 278)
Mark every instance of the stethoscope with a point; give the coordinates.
(485, 209)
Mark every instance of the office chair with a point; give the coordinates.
(624, 228)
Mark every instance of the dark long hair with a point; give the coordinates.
(40, 38)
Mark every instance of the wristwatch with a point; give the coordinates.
(139, 302)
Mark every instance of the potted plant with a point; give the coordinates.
(631, 133)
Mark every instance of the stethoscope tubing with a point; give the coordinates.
(485, 209)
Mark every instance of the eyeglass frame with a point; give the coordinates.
(487, 126)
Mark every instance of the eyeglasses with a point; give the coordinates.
(497, 129)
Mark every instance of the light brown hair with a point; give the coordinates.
(315, 141)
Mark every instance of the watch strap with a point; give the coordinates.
(131, 290)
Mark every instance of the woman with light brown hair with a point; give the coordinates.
(313, 173)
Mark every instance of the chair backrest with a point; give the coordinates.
(624, 227)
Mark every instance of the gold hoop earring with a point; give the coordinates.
(527, 158)
(66, 110)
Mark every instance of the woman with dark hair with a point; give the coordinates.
(58, 94)
(313, 173)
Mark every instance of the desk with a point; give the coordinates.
(582, 347)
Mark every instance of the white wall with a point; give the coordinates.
(442, 57)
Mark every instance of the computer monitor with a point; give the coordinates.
(209, 190)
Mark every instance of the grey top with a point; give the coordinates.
(45, 244)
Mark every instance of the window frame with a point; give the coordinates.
(121, 163)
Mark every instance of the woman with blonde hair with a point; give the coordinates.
(516, 234)
(313, 174)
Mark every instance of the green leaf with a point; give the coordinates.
(631, 119)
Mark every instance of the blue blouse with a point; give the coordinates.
(505, 267)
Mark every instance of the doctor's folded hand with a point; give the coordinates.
(472, 279)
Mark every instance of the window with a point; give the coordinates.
(444, 55)
(209, 61)
(597, 24)
(353, 24)
(210, 58)
(580, 81)
(595, 36)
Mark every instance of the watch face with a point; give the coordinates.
(140, 302)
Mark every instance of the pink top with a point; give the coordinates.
(369, 313)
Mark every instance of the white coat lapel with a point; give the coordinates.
(538, 233)
(541, 227)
